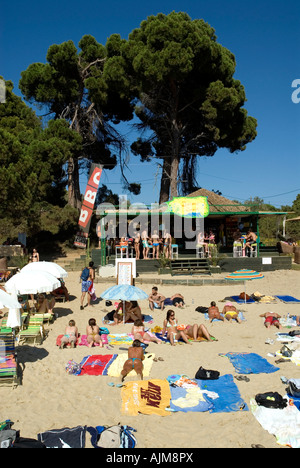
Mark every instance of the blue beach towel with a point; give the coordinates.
(288, 299)
(250, 363)
(204, 403)
(229, 399)
(241, 317)
(242, 301)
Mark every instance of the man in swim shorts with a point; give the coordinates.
(271, 318)
(156, 300)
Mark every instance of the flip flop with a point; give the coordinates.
(160, 359)
(111, 384)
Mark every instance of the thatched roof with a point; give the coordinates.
(219, 204)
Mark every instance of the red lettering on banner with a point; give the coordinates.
(89, 197)
(85, 215)
(95, 178)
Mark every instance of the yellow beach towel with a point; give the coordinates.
(115, 368)
(146, 397)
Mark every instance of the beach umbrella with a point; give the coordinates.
(32, 282)
(124, 292)
(244, 275)
(6, 300)
(50, 267)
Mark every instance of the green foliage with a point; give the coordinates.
(32, 178)
(186, 94)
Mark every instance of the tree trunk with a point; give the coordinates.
(74, 197)
(174, 176)
(165, 183)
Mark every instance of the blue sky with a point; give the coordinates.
(263, 35)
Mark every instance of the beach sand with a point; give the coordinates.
(49, 398)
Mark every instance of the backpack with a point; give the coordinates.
(85, 274)
(271, 400)
(204, 374)
(116, 437)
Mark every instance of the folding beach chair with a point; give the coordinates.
(8, 359)
(33, 332)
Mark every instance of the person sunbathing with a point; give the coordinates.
(271, 318)
(61, 291)
(170, 326)
(231, 313)
(134, 361)
(139, 333)
(93, 334)
(43, 306)
(197, 331)
(214, 313)
(70, 336)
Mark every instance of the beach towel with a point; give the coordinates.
(96, 364)
(229, 399)
(108, 319)
(284, 423)
(120, 339)
(288, 299)
(240, 315)
(295, 358)
(84, 342)
(250, 363)
(116, 366)
(189, 399)
(64, 438)
(146, 397)
(7, 364)
(242, 301)
(58, 341)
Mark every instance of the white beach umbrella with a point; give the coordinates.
(32, 282)
(50, 267)
(6, 300)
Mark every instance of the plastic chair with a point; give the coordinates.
(253, 252)
(237, 249)
(174, 251)
(200, 251)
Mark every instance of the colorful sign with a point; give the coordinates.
(189, 207)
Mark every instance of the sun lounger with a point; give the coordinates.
(33, 332)
(8, 360)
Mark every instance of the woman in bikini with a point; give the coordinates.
(137, 243)
(134, 361)
(170, 326)
(139, 333)
(93, 334)
(35, 257)
(70, 336)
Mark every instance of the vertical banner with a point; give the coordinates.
(88, 206)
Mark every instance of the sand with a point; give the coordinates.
(49, 398)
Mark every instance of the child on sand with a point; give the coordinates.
(271, 318)
(70, 336)
(93, 334)
(134, 361)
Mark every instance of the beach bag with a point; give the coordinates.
(85, 274)
(117, 437)
(204, 374)
(271, 400)
(72, 367)
(286, 352)
(202, 310)
(294, 387)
